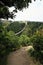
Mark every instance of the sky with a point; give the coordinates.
(33, 13)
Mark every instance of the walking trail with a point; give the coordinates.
(20, 57)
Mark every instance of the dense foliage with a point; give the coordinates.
(32, 35)
(37, 41)
(16, 27)
(32, 27)
(8, 43)
(24, 40)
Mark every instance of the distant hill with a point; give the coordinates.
(15, 26)
(30, 29)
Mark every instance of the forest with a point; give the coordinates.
(31, 35)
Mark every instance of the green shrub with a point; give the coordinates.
(24, 40)
(8, 43)
(37, 41)
(13, 40)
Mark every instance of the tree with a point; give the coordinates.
(18, 4)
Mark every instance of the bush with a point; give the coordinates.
(38, 46)
(24, 40)
(3, 46)
(8, 43)
(13, 40)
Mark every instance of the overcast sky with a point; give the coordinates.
(33, 13)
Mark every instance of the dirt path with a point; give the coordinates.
(20, 57)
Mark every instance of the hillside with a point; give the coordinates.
(32, 27)
(15, 26)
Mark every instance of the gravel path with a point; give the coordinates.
(20, 57)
